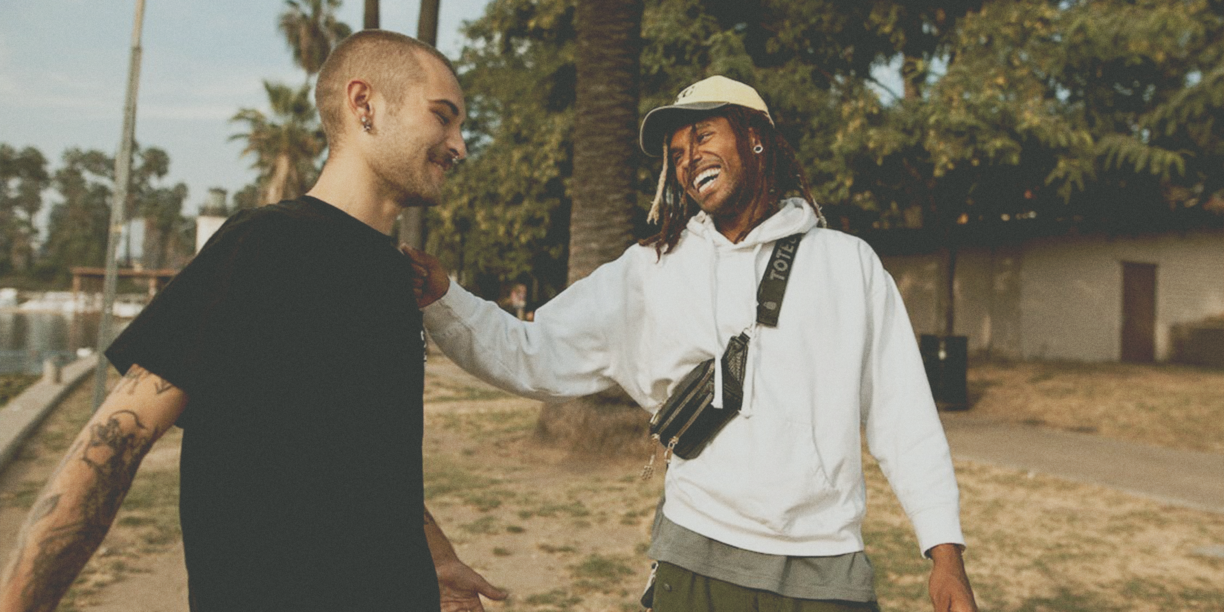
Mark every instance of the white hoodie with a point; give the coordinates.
(785, 476)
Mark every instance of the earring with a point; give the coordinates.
(757, 149)
(366, 126)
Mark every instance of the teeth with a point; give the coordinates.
(705, 178)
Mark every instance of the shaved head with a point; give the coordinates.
(389, 62)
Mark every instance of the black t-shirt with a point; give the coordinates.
(296, 337)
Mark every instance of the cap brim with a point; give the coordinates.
(660, 122)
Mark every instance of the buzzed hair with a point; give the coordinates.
(388, 61)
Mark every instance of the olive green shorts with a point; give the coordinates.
(679, 590)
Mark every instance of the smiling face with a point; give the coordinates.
(708, 165)
(419, 136)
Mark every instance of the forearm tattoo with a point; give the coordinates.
(112, 452)
(136, 375)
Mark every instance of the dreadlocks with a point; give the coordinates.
(775, 175)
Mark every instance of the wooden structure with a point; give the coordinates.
(86, 278)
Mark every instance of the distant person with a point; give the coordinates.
(769, 515)
(291, 353)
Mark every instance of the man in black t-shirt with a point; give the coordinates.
(291, 355)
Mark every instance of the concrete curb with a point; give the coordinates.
(24, 412)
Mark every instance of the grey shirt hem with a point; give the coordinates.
(847, 577)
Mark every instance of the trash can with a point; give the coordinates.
(946, 359)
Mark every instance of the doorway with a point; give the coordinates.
(1138, 312)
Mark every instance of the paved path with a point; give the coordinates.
(1184, 478)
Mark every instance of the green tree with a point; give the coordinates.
(160, 207)
(311, 29)
(77, 227)
(23, 177)
(286, 144)
(1053, 112)
(505, 215)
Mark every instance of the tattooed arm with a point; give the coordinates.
(459, 585)
(78, 504)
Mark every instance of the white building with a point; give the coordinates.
(1074, 297)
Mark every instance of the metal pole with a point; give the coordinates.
(123, 174)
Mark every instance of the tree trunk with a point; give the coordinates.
(603, 200)
(412, 220)
(274, 191)
(154, 245)
(605, 132)
(913, 75)
(950, 313)
(370, 19)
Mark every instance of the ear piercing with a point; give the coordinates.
(366, 126)
(757, 149)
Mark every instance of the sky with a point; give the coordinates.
(64, 65)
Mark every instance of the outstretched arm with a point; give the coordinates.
(459, 585)
(79, 502)
(949, 584)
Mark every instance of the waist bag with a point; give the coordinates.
(688, 420)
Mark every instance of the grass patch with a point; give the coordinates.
(557, 600)
(489, 500)
(1166, 405)
(573, 509)
(11, 385)
(600, 573)
(487, 423)
(486, 525)
(447, 391)
(556, 550)
(445, 478)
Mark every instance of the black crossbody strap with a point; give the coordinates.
(773, 283)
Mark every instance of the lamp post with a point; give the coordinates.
(123, 175)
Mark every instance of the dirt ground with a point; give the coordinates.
(565, 534)
(1169, 405)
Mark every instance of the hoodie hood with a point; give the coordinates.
(794, 216)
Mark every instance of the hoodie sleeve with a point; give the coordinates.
(569, 350)
(903, 429)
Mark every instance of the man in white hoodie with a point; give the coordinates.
(769, 515)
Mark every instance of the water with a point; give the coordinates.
(27, 338)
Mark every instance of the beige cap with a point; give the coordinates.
(709, 94)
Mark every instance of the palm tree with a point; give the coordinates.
(312, 30)
(604, 198)
(412, 220)
(285, 144)
(605, 132)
